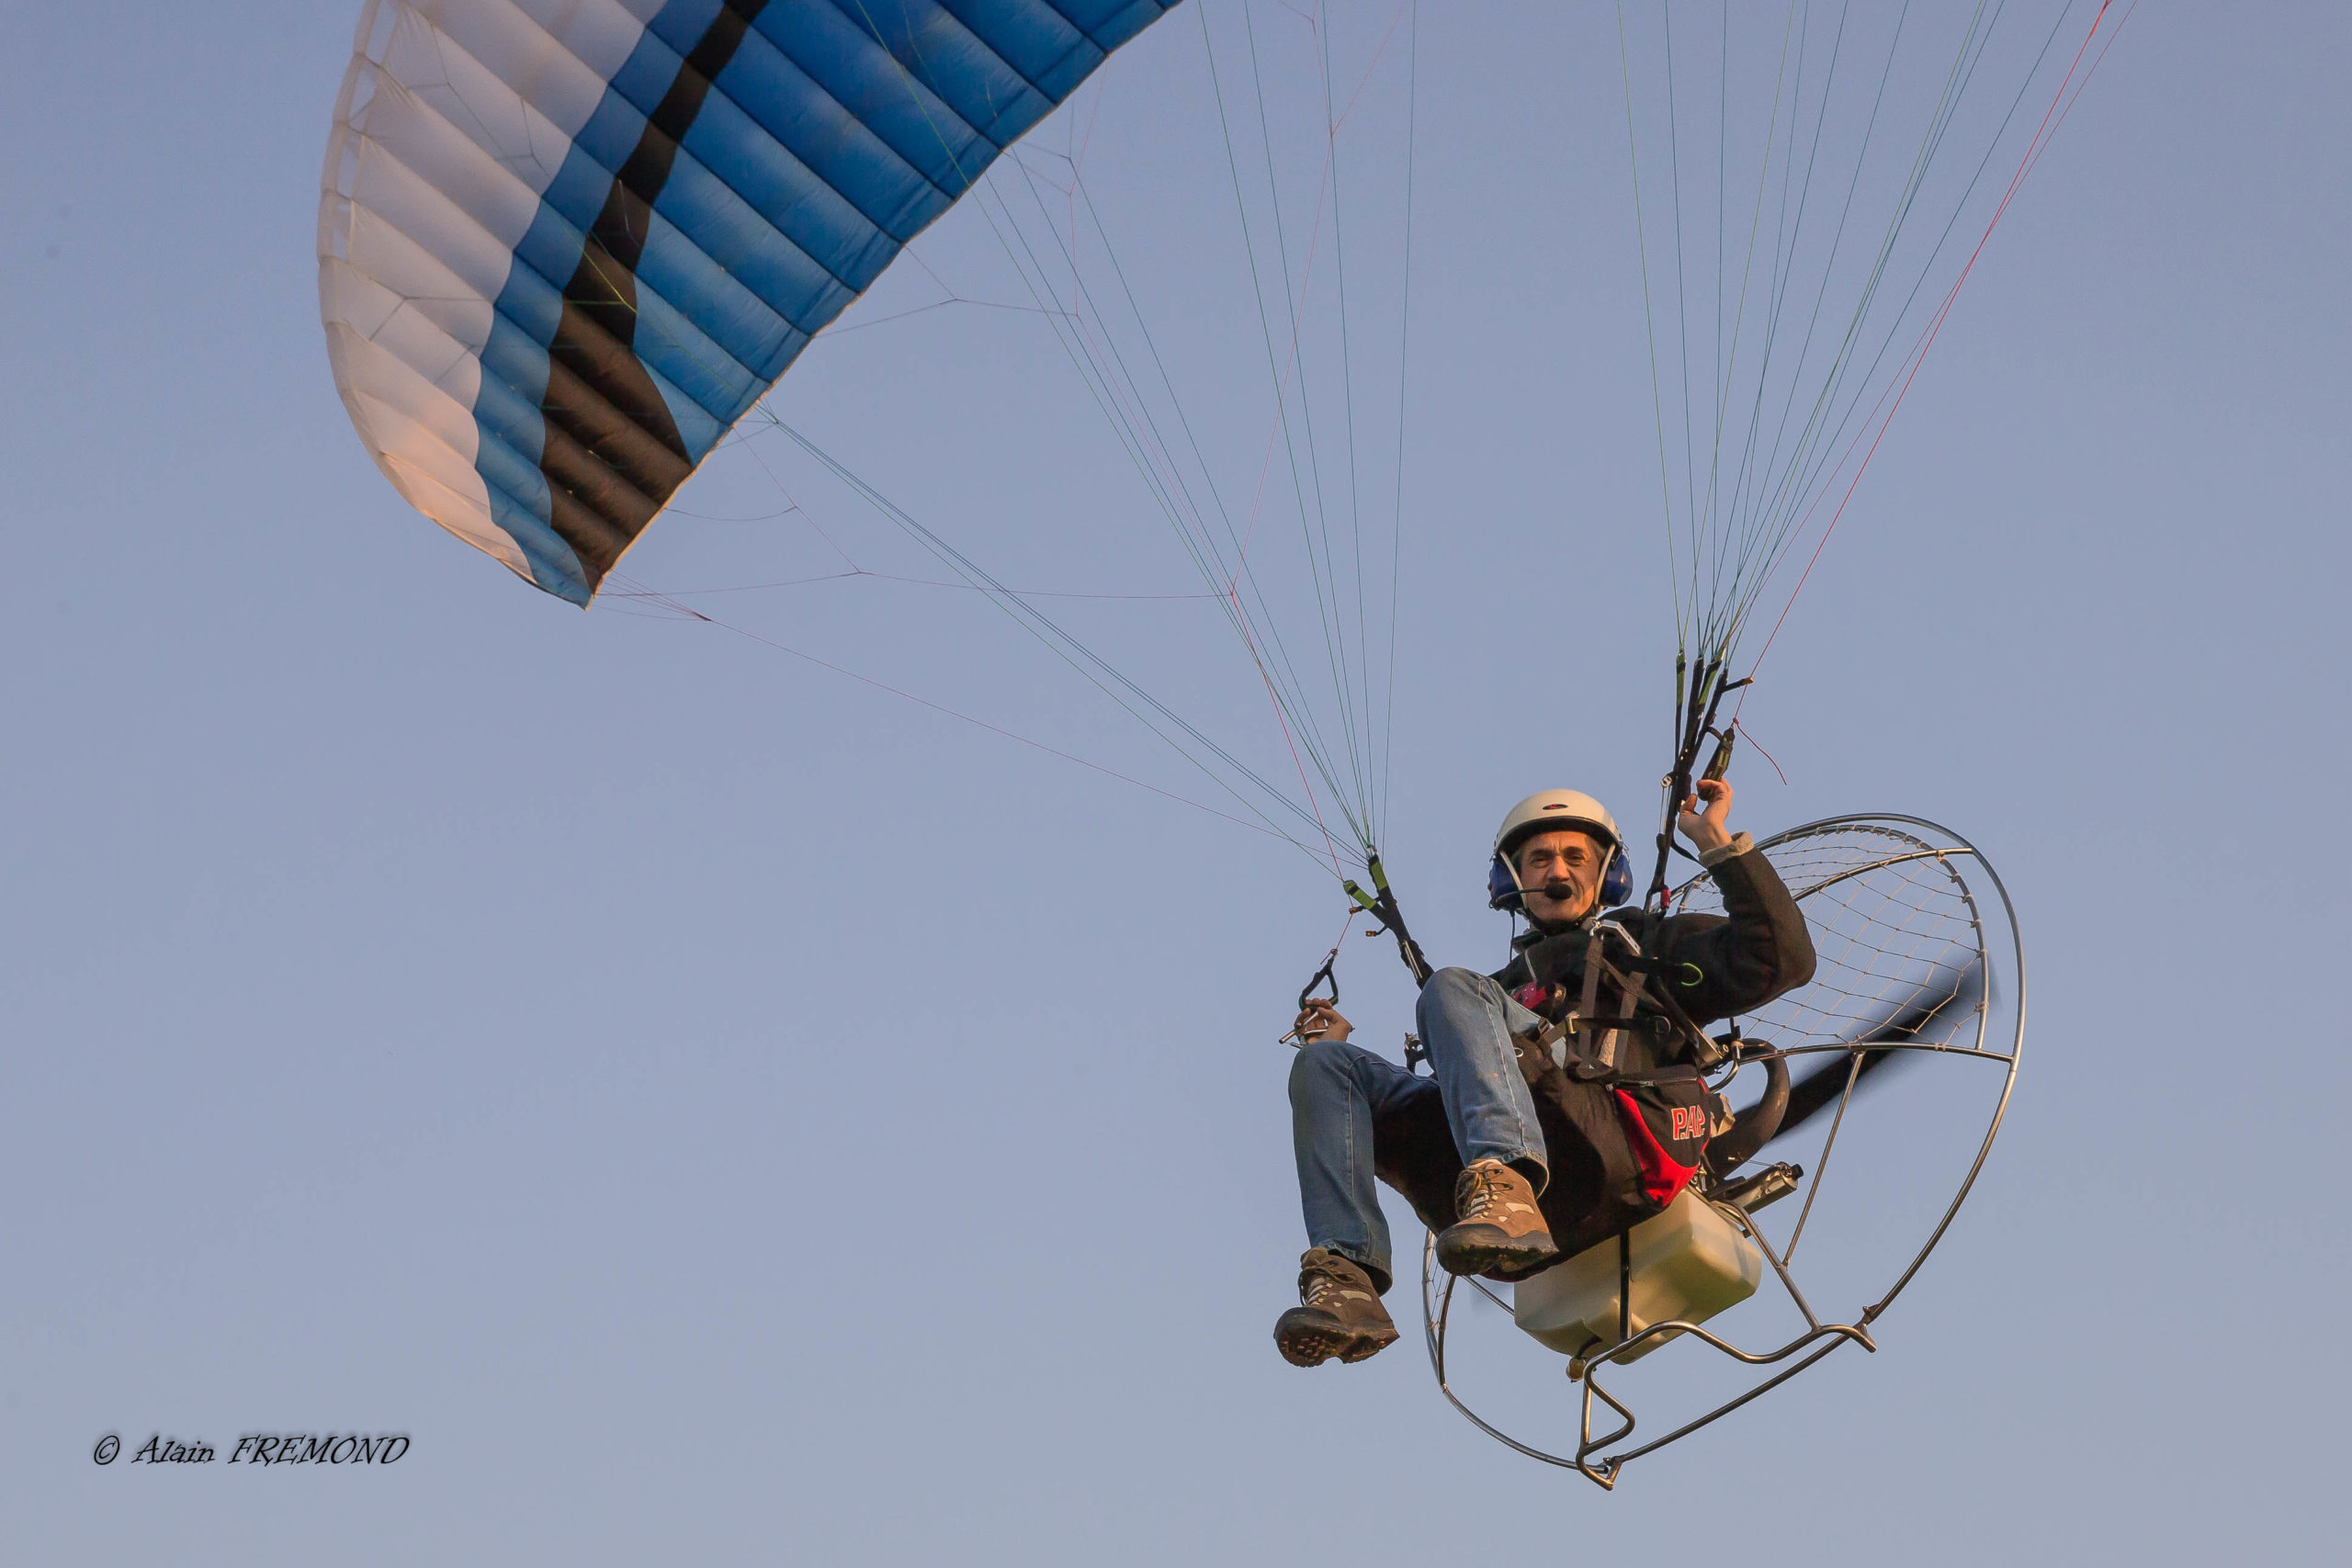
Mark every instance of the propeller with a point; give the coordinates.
(1824, 1086)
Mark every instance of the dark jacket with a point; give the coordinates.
(1716, 967)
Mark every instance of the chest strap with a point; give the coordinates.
(1596, 1042)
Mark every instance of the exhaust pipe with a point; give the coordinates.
(1756, 1124)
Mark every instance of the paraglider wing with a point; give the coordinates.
(565, 245)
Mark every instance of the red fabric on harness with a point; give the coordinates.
(1663, 1176)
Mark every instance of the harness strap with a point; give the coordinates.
(1629, 994)
(1590, 1003)
(1596, 1044)
(1703, 1049)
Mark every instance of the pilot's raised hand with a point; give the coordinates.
(1706, 829)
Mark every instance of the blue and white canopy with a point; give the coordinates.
(565, 245)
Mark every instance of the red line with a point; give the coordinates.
(1266, 466)
(1762, 752)
(1919, 357)
(1365, 80)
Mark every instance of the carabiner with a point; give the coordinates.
(1307, 992)
(1306, 996)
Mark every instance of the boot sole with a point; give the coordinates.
(1486, 1247)
(1310, 1343)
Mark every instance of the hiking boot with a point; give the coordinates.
(1339, 1313)
(1498, 1225)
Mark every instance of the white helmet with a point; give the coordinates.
(1541, 813)
(1557, 809)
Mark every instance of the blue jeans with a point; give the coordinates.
(1337, 1089)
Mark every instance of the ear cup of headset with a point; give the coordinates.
(1617, 883)
(1502, 888)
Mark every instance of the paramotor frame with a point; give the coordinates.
(1905, 946)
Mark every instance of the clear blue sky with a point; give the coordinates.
(725, 1113)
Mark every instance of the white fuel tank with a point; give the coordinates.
(1688, 1263)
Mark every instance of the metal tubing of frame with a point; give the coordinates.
(1747, 1222)
(1786, 1052)
(1618, 1461)
(1821, 1166)
(1434, 1312)
(2016, 944)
